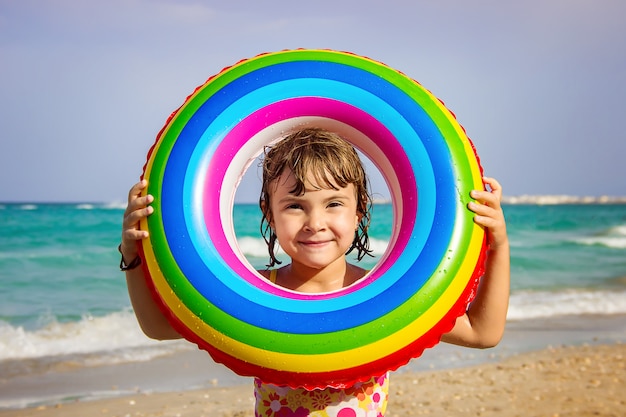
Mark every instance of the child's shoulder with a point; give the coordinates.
(354, 273)
(265, 273)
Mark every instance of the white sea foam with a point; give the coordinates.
(614, 237)
(114, 205)
(85, 206)
(608, 241)
(252, 247)
(378, 246)
(542, 304)
(563, 199)
(117, 334)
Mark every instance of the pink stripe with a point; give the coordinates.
(299, 107)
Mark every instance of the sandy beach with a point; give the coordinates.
(565, 381)
(568, 366)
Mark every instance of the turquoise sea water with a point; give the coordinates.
(61, 292)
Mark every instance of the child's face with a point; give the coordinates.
(317, 228)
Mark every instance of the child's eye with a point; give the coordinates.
(294, 206)
(335, 204)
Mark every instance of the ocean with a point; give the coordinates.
(63, 299)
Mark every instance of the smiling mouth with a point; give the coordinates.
(315, 243)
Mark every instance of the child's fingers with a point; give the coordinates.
(487, 203)
(138, 204)
(132, 234)
(483, 209)
(137, 189)
(488, 219)
(137, 209)
(494, 186)
(486, 198)
(491, 196)
(491, 218)
(133, 217)
(135, 200)
(488, 210)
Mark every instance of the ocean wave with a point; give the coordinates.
(253, 247)
(118, 334)
(559, 199)
(613, 237)
(609, 242)
(114, 205)
(526, 305)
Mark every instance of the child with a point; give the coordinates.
(315, 204)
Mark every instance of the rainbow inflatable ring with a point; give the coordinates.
(213, 296)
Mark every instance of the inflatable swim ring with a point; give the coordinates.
(215, 299)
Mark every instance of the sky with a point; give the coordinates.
(85, 86)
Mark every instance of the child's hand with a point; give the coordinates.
(136, 210)
(489, 212)
(149, 315)
(483, 324)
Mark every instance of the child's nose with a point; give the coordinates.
(315, 221)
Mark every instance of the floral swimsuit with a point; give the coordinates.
(365, 399)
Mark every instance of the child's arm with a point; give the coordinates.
(152, 321)
(483, 324)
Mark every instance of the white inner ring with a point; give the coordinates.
(252, 148)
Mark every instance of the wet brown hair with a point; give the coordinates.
(332, 161)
